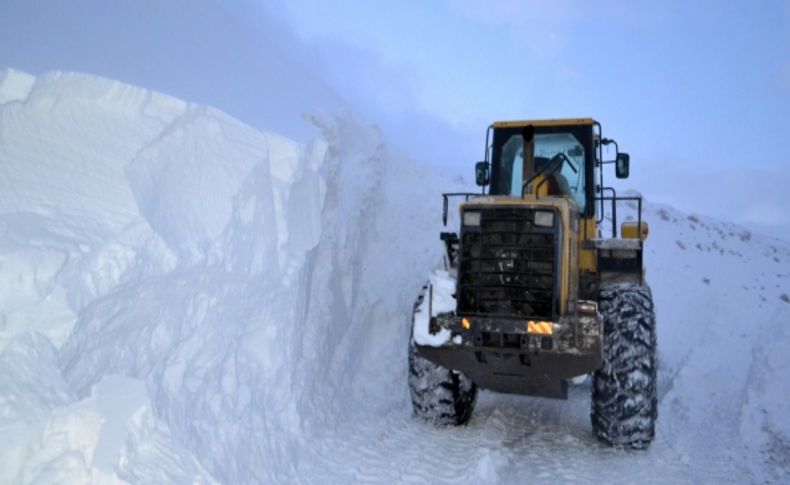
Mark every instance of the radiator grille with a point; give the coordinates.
(507, 266)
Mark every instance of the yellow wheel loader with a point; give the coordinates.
(539, 295)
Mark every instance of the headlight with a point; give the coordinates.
(544, 218)
(471, 218)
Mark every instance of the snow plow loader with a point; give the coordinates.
(533, 294)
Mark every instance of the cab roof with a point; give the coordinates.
(538, 123)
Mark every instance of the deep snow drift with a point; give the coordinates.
(186, 299)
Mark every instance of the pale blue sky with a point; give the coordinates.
(657, 65)
(696, 91)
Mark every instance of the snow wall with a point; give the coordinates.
(257, 287)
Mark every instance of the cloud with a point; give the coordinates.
(544, 28)
(763, 212)
(756, 197)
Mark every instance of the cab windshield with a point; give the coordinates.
(568, 181)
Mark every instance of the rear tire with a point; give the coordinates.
(438, 395)
(624, 399)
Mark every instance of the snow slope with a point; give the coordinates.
(186, 299)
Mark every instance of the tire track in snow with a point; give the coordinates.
(510, 439)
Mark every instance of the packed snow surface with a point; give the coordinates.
(185, 299)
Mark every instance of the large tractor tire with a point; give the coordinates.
(624, 399)
(439, 395)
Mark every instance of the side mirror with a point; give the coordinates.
(621, 165)
(481, 174)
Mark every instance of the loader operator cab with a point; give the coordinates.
(564, 157)
(559, 154)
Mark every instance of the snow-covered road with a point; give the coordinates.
(510, 439)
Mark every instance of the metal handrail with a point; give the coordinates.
(446, 201)
(615, 199)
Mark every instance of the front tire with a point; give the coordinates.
(624, 398)
(438, 395)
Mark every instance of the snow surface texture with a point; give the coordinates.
(185, 299)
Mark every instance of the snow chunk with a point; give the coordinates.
(443, 301)
(15, 85)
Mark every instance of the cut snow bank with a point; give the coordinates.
(243, 279)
